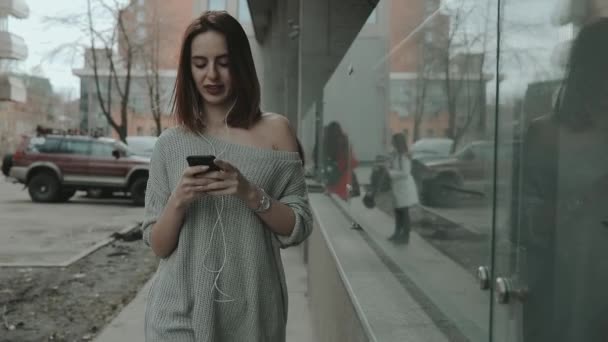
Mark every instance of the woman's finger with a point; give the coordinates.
(188, 182)
(226, 166)
(228, 191)
(216, 175)
(191, 171)
(199, 189)
(220, 185)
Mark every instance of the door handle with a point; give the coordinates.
(506, 291)
(483, 277)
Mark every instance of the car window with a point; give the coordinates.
(123, 148)
(44, 145)
(100, 149)
(80, 147)
(141, 146)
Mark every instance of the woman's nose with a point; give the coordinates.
(212, 72)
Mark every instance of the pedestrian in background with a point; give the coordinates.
(403, 187)
(379, 191)
(339, 162)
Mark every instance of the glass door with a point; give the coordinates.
(550, 264)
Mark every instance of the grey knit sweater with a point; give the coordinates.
(250, 300)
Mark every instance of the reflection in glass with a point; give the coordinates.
(338, 162)
(403, 188)
(415, 95)
(244, 15)
(217, 5)
(564, 187)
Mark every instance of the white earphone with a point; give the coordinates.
(219, 223)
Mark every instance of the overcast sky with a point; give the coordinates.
(42, 38)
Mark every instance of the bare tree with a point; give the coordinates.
(422, 84)
(462, 74)
(103, 25)
(149, 56)
(464, 55)
(447, 60)
(119, 76)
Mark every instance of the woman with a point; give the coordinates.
(563, 231)
(218, 233)
(339, 162)
(405, 193)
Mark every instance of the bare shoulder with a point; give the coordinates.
(279, 130)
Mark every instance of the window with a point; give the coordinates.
(69, 146)
(44, 145)
(217, 5)
(140, 130)
(102, 150)
(244, 13)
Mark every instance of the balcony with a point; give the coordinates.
(11, 89)
(12, 46)
(16, 8)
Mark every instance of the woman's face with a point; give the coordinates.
(211, 68)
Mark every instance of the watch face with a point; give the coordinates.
(264, 202)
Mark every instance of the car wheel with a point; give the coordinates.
(44, 187)
(440, 194)
(66, 194)
(138, 190)
(7, 163)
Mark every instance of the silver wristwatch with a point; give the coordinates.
(264, 202)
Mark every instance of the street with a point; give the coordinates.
(57, 234)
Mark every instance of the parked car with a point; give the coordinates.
(142, 145)
(428, 149)
(54, 167)
(468, 171)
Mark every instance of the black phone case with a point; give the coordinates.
(203, 160)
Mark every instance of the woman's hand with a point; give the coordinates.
(229, 181)
(190, 187)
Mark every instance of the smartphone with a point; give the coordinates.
(204, 160)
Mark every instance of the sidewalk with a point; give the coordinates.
(128, 325)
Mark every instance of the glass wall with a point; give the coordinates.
(550, 249)
(465, 138)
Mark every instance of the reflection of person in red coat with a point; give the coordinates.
(338, 150)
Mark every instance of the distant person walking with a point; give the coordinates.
(339, 162)
(403, 187)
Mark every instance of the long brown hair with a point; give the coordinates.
(187, 102)
(336, 142)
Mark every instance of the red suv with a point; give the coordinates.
(54, 167)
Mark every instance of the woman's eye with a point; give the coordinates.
(199, 66)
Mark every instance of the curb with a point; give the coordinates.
(79, 256)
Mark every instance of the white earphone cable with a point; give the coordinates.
(219, 223)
